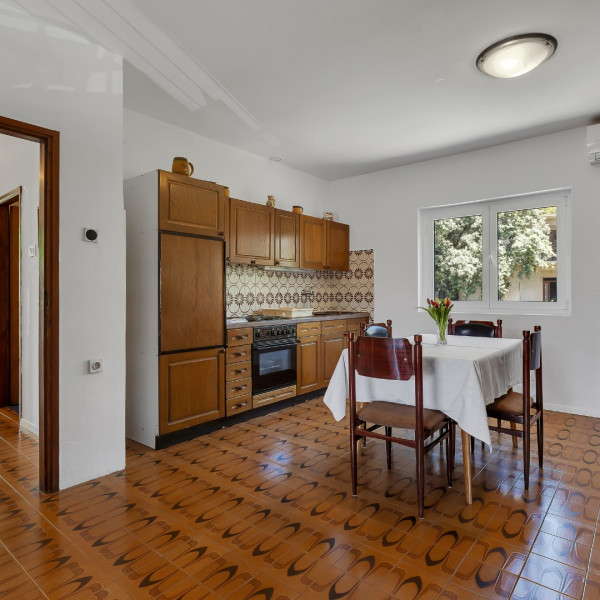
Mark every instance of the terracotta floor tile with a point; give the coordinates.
(263, 509)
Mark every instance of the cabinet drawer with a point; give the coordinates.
(354, 324)
(240, 387)
(274, 396)
(336, 326)
(238, 404)
(238, 354)
(305, 329)
(238, 371)
(239, 337)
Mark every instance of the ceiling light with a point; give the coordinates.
(516, 55)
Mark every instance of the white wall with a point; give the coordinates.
(152, 144)
(382, 209)
(20, 166)
(53, 79)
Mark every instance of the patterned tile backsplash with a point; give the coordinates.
(251, 288)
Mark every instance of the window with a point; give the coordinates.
(509, 255)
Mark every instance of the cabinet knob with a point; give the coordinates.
(252, 262)
(276, 263)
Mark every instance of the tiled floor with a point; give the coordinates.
(263, 510)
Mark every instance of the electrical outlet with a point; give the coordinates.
(96, 365)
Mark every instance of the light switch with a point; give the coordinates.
(32, 250)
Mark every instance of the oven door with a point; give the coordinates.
(273, 365)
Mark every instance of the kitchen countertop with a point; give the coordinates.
(331, 317)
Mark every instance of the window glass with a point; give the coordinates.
(526, 256)
(458, 256)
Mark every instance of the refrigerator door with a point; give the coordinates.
(192, 292)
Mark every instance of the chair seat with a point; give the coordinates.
(401, 416)
(509, 404)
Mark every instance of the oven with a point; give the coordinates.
(273, 357)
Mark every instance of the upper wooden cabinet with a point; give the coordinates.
(338, 246)
(287, 238)
(324, 244)
(189, 205)
(252, 233)
(313, 242)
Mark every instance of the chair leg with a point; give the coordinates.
(353, 460)
(526, 450)
(515, 441)
(421, 478)
(540, 437)
(472, 444)
(388, 447)
(450, 453)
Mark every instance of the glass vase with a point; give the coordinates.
(441, 333)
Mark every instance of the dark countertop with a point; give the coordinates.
(329, 317)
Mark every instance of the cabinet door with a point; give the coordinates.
(309, 364)
(287, 238)
(313, 247)
(191, 206)
(192, 292)
(332, 345)
(252, 233)
(192, 388)
(338, 246)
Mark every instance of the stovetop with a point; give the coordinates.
(254, 318)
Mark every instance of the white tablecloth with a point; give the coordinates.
(458, 379)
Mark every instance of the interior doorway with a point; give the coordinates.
(49, 141)
(10, 305)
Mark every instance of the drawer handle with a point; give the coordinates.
(240, 371)
(240, 405)
(240, 337)
(239, 388)
(239, 354)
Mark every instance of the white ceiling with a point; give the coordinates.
(344, 87)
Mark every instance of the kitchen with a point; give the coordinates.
(253, 307)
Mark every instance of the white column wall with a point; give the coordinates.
(54, 79)
(382, 211)
(20, 166)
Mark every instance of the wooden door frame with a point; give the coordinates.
(49, 141)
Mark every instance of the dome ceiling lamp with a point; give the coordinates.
(516, 55)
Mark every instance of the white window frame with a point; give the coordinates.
(488, 209)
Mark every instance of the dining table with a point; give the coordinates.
(459, 378)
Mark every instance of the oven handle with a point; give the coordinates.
(276, 344)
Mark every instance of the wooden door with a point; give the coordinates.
(287, 238)
(332, 345)
(313, 246)
(338, 246)
(192, 292)
(4, 306)
(191, 205)
(14, 212)
(251, 233)
(309, 364)
(192, 388)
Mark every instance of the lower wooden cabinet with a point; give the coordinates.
(308, 364)
(332, 345)
(192, 388)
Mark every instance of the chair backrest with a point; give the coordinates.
(475, 328)
(377, 329)
(386, 358)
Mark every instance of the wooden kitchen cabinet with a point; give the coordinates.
(191, 388)
(189, 205)
(251, 233)
(338, 246)
(238, 371)
(309, 364)
(332, 345)
(287, 239)
(313, 242)
(324, 244)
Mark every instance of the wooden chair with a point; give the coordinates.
(389, 358)
(475, 328)
(523, 408)
(377, 329)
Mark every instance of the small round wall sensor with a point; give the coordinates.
(90, 235)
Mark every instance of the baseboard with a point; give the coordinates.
(575, 410)
(29, 427)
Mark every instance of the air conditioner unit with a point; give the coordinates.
(593, 144)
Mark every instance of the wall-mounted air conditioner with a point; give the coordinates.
(593, 144)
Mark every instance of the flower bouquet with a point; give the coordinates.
(439, 311)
